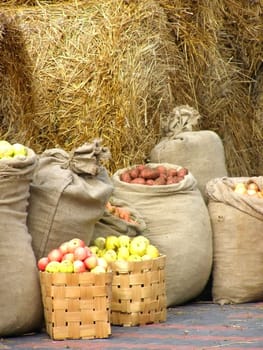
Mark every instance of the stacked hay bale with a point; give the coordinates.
(16, 77)
(219, 54)
(100, 70)
(114, 69)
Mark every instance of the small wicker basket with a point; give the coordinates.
(76, 305)
(138, 292)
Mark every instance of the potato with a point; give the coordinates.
(138, 181)
(172, 172)
(149, 173)
(160, 181)
(134, 173)
(125, 177)
(182, 172)
(149, 182)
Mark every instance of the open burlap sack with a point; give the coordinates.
(20, 301)
(67, 196)
(109, 224)
(200, 151)
(237, 223)
(178, 223)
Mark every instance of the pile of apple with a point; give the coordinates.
(250, 188)
(123, 247)
(8, 150)
(72, 256)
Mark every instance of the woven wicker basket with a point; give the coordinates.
(138, 292)
(76, 305)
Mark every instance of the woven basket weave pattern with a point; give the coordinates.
(138, 292)
(76, 305)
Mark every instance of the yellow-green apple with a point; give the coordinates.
(98, 269)
(112, 242)
(110, 255)
(152, 251)
(138, 246)
(91, 261)
(42, 263)
(68, 256)
(19, 150)
(74, 243)
(94, 249)
(6, 149)
(124, 241)
(146, 257)
(79, 266)
(134, 257)
(66, 266)
(100, 242)
(55, 255)
(53, 266)
(123, 253)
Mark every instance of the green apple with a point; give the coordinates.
(6, 149)
(134, 257)
(53, 266)
(19, 150)
(110, 255)
(66, 266)
(138, 246)
(123, 253)
(124, 241)
(152, 251)
(112, 242)
(100, 242)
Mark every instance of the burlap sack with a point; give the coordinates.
(67, 196)
(237, 222)
(20, 301)
(178, 224)
(112, 225)
(200, 151)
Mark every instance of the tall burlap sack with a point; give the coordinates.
(202, 152)
(109, 224)
(237, 222)
(20, 296)
(67, 196)
(178, 223)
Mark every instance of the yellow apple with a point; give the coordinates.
(240, 188)
(53, 266)
(152, 251)
(98, 269)
(6, 149)
(66, 266)
(112, 243)
(134, 257)
(19, 150)
(110, 255)
(123, 253)
(124, 241)
(138, 245)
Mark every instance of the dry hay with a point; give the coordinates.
(219, 52)
(101, 70)
(16, 97)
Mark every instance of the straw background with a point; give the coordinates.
(76, 70)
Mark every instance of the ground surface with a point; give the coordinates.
(200, 325)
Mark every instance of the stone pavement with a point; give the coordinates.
(197, 325)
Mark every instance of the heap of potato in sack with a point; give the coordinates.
(160, 175)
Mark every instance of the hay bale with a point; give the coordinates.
(16, 97)
(215, 73)
(101, 70)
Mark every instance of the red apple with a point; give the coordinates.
(91, 261)
(68, 256)
(42, 263)
(80, 253)
(74, 243)
(64, 248)
(89, 252)
(55, 255)
(79, 266)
